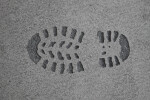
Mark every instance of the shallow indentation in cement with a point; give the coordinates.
(81, 37)
(125, 49)
(32, 48)
(101, 36)
(108, 40)
(58, 50)
(70, 69)
(45, 64)
(80, 66)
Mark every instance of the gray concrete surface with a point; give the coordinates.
(26, 76)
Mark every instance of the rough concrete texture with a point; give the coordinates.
(74, 50)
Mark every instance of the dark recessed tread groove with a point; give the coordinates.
(43, 45)
(69, 45)
(103, 53)
(52, 44)
(110, 61)
(117, 60)
(60, 57)
(73, 33)
(51, 54)
(101, 36)
(45, 62)
(81, 37)
(32, 48)
(53, 67)
(42, 51)
(46, 33)
(76, 47)
(109, 36)
(64, 30)
(55, 31)
(68, 56)
(80, 66)
(102, 62)
(125, 48)
(61, 43)
(76, 55)
(115, 35)
(70, 69)
(62, 68)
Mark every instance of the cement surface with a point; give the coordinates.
(26, 76)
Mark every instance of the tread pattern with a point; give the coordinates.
(57, 43)
(107, 38)
(57, 60)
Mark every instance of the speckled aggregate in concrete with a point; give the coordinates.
(23, 79)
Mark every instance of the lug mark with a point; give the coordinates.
(55, 31)
(60, 57)
(101, 36)
(81, 37)
(115, 35)
(52, 44)
(73, 33)
(61, 43)
(64, 30)
(102, 62)
(110, 62)
(53, 67)
(45, 64)
(109, 36)
(51, 54)
(68, 56)
(69, 45)
(117, 60)
(62, 68)
(80, 66)
(46, 33)
(70, 69)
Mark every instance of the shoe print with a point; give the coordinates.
(106, 40)
(57, 48)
